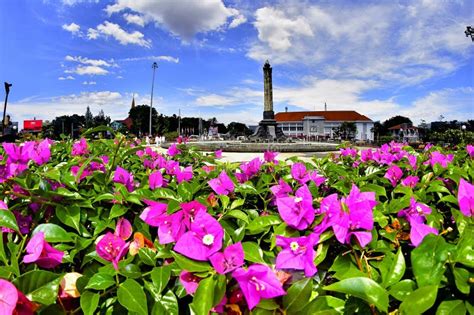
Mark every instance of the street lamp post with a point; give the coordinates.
(154, 66)
(7, 91)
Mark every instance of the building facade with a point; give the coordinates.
(321, 124)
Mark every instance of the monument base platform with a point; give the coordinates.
(268, 130)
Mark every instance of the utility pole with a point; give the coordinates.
(154, 66)
(72, 130)
(179, 122)
(7, 91)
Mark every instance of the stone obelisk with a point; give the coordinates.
(267, 128)
(267, 92)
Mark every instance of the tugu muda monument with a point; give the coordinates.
(267, 128)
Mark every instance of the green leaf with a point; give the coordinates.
(402, 289)
(89, 302)
(170, 303)
(147, 256)
(238, 214)
(237, 203)
(465, 247)
(379, 190)
(260, 224)
(323, 305)
(420, 300)
(191, 265)
(363, 288)
(53, 233)
(117, 210)
(185, 191)
(130, 294)
(39, 286)
(395, 270)
(461, 278)
(298, 295)
(8, 220)
(100, 281)
(204, 297)
(428, 260)
(102, 197)
(345, 268)
(451, 307)
(253, 252)
(160, 277)
(70, 215)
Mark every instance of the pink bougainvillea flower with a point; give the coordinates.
(111, 248)
(208, 168)
(24, 306)
(316, 178)
(184, 175)
(352, 152)
(189, 281)
(470, 150)
(8, 297)
(270, 157)
(298, 172)
(173, 150)
(222, 185)
(24, 221)
(203, 239)
(428, 146)
(410, 181)
(297, 253)
(412, 161)
(415, 214)
(190, 210)
(155, 180)
(439, 158)
(258, 282)
(85, 172)
(218, 154)
(466, 198)
(172, 167)
(40, 252)
(123, 229)
(80, 148)
(349, 216)
(231, 259)
(248, 170)
(366, 155)
(394, 174)
(41, 153)
(155, 213)
(124, 177)
(281, 190)
(297, 211)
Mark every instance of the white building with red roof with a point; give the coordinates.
(321, 124)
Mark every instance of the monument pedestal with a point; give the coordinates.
(268, 129)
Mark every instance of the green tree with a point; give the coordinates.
(396, 120)
(346, 131)
(100, 119)
(140, 116)
(238, 129)
(89, 119)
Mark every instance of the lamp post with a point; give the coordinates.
(7, 91)
(401, 134)
(469, 32)
(463, 128)
(154, 66)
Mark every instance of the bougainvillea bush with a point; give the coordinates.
(110, 227)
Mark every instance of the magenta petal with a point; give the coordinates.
(154, 213)
(191, 246)
(155, 180)
(363, 238)
(123, 229)
(189, 281)
(34, 248)
(8, 297)
(418, 231)
(466, 198)
(218, 261)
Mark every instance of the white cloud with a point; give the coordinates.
(66, 78)
(89, 83)
(74, 2)
(134, 19)
(73, 28)
(276, 29)
(452, 103)
(90, 70)
(153, 58)
(182, 18)
(238, 20)
(392, 42)
(115, 104)
(87, 61)
(109, 29)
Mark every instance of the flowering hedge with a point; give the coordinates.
(111, 226)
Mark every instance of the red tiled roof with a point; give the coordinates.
(330, 115)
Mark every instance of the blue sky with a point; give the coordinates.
(381, 58)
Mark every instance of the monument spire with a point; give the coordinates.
(133, 101)
(268, 92)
